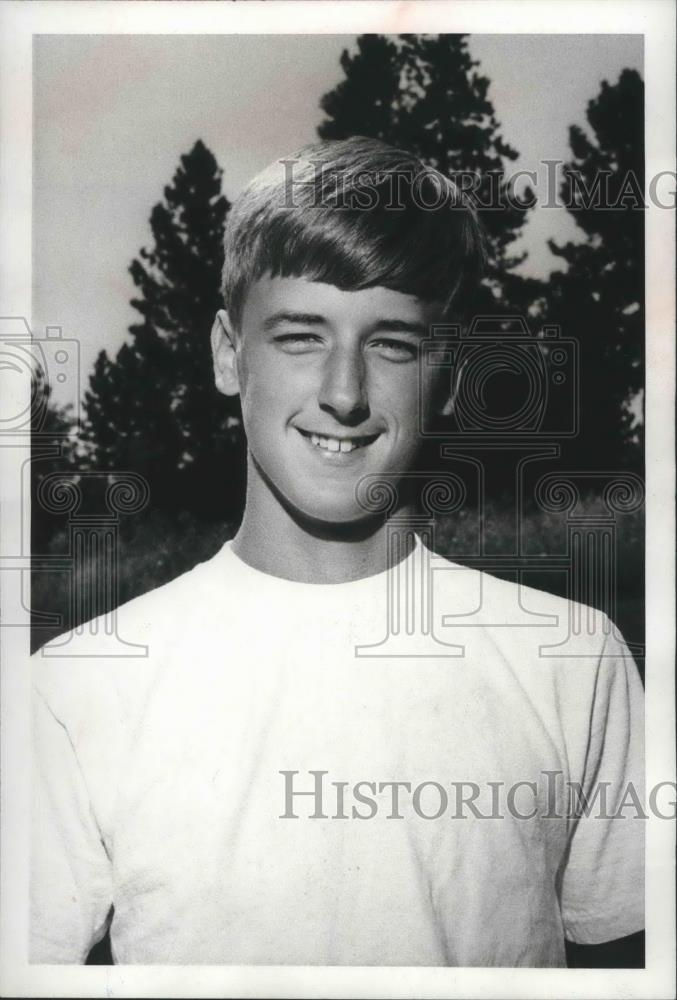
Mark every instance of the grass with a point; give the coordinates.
(156, 547)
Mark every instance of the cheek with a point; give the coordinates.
(260, 382)
(270, 395)
(403, 399)
(414, 403)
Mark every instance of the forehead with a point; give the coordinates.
(269, 296)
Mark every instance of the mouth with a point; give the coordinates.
(335, 445)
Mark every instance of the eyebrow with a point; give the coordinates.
(314, 319)
(303, 319)
(400, 326)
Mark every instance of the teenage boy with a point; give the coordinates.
(258, 790)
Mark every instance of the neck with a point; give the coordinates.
(281, 542)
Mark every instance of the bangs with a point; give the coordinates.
(378, 220)
(356, 250)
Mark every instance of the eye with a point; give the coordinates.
(297, 343)
(395, 350)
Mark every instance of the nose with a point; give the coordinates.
(343, 390)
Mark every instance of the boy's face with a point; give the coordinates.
(329, 385)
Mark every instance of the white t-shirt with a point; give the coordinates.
(164, 784)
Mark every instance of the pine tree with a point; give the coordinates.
(599, 299)
(424, 93)
(53, 449)
(367, 102)
(154, 408)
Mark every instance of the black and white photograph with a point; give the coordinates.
(337, 442)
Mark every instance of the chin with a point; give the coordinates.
(340, 515)
(332, 514)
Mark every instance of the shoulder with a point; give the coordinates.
(107, 665)
(560, 661)
(538, 632)
(487, 599)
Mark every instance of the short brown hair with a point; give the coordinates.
(355, 213)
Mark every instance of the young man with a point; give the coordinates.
(276, 783)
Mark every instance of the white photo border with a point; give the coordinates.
(19, 22)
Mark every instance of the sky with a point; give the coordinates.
(113, 114)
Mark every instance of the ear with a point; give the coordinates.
(224, 345)
(450, 400)
(449, 404)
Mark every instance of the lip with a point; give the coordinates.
(343, 457)
(368, 438)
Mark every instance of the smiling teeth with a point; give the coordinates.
(333, 444)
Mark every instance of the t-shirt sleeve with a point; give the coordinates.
(71, 883)
(602, 893)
